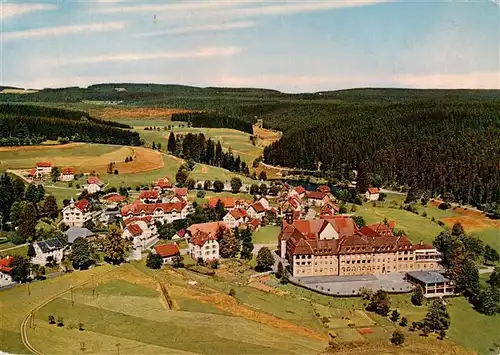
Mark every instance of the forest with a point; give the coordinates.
(213, 120)
(29, 125)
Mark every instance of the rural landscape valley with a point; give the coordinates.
(249, 177)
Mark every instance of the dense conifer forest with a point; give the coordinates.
(442, 141)
(213, 120)
(27, 125)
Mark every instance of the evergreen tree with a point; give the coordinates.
(411, 196)
(219, 210)
(31, 193)
(395, 315)
(54, 174)
(490, 254)
(263, 189)
(254, 189)
(181, 176)
(18, 188)
(16, 211)
(380, 303)
(31, 251)
(21, 268)
(494, 279)
(207, 185)
(228, 245)
(417, 298)
(262, 176)
(437, 317)
(154, 261)
(488, 301)
(40, 193)
(362, 181)
(218, 154)
(467, 279)
(246, 245)
(6, 196)
(265, 259)
(27, 222)
(50, 207)
(398, 338)
(171, 145)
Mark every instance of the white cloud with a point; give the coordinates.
(202, 28)
(63, 30)
(171, 7)
(128, 57)
(9, 10)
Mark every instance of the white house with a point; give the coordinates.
(5, 271)
(372, 194)
(67, 174)
(167, 252)
(47, 249)
(264, 202)
(235, 217)
(256, 211)
(143, 236)
(93, 185)
(161, 212)
(203, 240)
(44, 167)
(76, 213)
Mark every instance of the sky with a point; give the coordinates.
(292, 46)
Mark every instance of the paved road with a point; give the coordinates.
(14, 247)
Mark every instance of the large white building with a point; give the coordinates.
(76, 213)
(67, 174)
(203, 240)
(94, 185)
(48, 250)
(161, 212)
(44, 167)
(142, 233)
(235, 217)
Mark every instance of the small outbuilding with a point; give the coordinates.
(433, 283)
(167, 252)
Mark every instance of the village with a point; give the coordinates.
(320, 246)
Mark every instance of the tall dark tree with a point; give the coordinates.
(218, 154)
(362, 181)
(7, 196)
(236, 184)
(265, 259)
(228, 245)
(50, 207)
(18, 186)
(27, 222)
(20, 269)
(31, 193)
(115, 247)
(218, 186)
(171, 145)
(457, 229)
(380, 303)
(437, 317)
(494, 279)
(488, 300)
(82, 254)
(467, 279)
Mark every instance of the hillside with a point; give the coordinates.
(27, 125)
(443, 141)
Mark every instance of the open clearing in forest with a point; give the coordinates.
(134, 113)
(265, 136)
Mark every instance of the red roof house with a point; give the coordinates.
(114, 198)
(68, 171)
(5, 264)
(94, 180)
(228, 202)
(82, 205)
(43, 164)
(163, 184)
(167, 250)
(323, 188)
(373, 190)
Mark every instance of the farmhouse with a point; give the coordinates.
(433, 283)
(76, 213)
(372, 194)
(299, 192)
(143, 236)
(256, 211)
(163, 184)
(167, 252)
(93, 185)
(203, 240)
(317, 198)
(5, 271)
(179, 235)
(67, 174)
(335, 246)
(35, 174)
(235, 217)
(47, 250)
(44, 167)
(112, 200)
(161, 212)
(149, 196)
(264, 202)
(330, 209)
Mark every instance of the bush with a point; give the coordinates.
(60, 322)
(444, 206)
(200, 194)
(398, 338)
(52, 319)
(232, 292)
(80, 327)
(404, 322)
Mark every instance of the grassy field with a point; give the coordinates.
(266, 235)
(21, 250)
(125, 307)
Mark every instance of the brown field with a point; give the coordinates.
(144, 160)
(265, 137)
(126, 113)
(472, 223)
(40, 147)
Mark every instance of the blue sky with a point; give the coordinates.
(290, 46)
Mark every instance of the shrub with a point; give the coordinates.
(200, 194)
(232, 292)
(395, 315)
(52, 319)
(398, 338)
(404, 322)
(60, 322)
(80, 327)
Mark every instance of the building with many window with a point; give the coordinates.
(334, 246)
(203, 240)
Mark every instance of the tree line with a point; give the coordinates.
(213, 120)
(451, 148)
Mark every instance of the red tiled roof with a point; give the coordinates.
(257, 206)
(137, 207)
(300, 190)
(182, 191)
(255, 223)
(93, 180)
(44, 164)
(373, 190)
(148, 194)
(167, 250)
(5, 264)
(181, 233)
(202, 232)
(323, 188)
(343, 225)
(316, 195)
(228, 202)
(114, 198)
(146, 219)
(68, 171)
(423, 246)
(135, 229)
(238, 213)
(380, 228)
(32, 172)
(164, 183)
(82, 205)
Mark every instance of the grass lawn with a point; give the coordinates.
(266, 235)
(490, 236)
(22, 251)
(61, 193)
